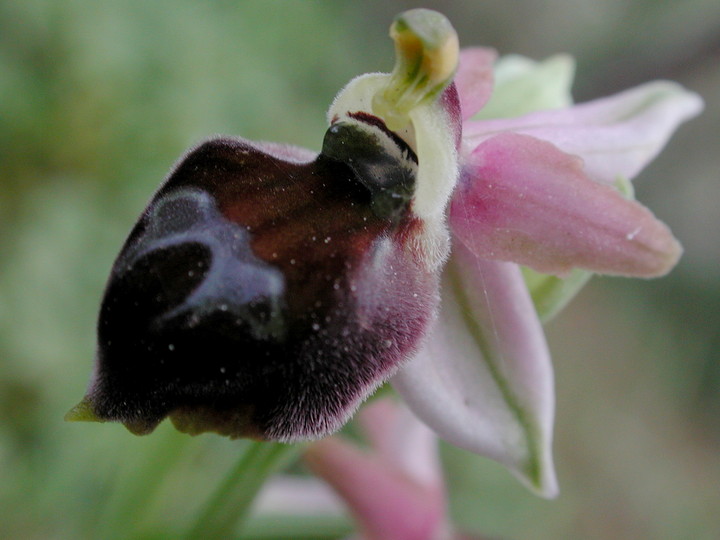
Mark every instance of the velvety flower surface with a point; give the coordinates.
(266, 290)
(258, 296)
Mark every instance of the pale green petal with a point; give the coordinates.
(551, 294)
(523, 86)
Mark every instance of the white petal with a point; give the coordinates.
(616, 136)
(297, 495)
(483, 380)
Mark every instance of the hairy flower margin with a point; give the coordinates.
(267, 290)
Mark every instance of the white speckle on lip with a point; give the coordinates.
(631, 235)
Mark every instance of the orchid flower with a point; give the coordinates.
(267, 290)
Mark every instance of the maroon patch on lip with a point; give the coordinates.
(306, 219)
(450, 101)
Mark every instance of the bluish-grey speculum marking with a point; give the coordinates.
(189, 216)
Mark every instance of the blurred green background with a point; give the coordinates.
(97, 100)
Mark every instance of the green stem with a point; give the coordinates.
(229, 505)
(139, 484)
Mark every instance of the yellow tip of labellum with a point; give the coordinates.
(82, 412)
(427, 52)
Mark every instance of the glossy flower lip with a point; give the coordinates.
(267, 291)
(226, 314)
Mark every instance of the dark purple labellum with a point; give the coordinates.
(262, 297)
